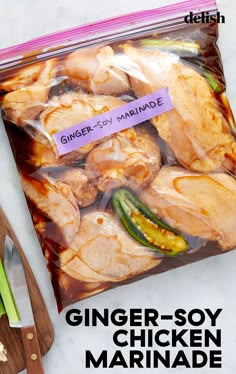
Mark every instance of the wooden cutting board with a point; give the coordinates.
(11, 337)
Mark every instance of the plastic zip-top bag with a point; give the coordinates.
(125, 145)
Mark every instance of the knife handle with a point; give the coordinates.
(33, 358)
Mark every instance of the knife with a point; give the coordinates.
(16, 277)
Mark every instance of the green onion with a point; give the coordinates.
(172, 45)
(213, 82)
(7, 297)
(2, 309)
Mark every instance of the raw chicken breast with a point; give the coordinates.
(92, 69)
(22, 77)
(198, 205)
(129, 158)
(72, 108)
(103, 252)
(24, 104)
(61, 113)
(84, 191)
(196, 130)
(43, 154)
(56, 201)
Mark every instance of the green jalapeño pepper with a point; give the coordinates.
(145, 227)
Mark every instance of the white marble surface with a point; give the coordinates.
(210, 283)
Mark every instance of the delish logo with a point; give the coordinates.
(204, 17)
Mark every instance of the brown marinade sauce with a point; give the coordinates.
(68, 290)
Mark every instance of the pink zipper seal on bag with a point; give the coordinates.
(93, 31)
(113, 121)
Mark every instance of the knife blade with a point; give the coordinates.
(16, 277)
